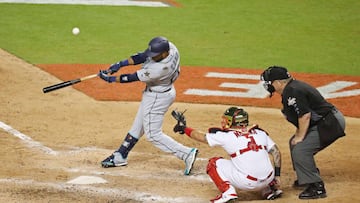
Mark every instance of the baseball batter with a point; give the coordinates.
(249, 167)
(160, 69)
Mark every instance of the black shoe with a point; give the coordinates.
(314, 191)
(114, 160)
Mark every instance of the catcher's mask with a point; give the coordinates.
(235, 117)
(273, 73)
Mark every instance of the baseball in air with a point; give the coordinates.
(75, 30)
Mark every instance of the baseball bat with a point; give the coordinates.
(67, 83)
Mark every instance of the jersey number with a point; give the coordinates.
(252, 145)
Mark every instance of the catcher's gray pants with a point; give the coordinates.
(302, 154)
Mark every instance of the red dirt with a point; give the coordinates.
(194, 77)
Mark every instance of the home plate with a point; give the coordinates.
(84, 180)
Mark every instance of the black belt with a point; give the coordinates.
(158, 91)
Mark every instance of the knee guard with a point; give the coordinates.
(212, 172)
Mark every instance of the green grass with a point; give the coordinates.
(305, 36)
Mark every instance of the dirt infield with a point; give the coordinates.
(50, 140)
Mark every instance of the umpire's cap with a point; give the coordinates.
(157, 46)
(275, 73)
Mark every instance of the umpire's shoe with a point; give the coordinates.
(189, 160)
(116, 159)
(314, 191)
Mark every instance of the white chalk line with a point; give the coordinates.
(104, 191)
(76, 150)
(30, 142)
(35, 144)
(170, 174)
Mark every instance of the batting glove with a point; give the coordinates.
(103, 75)
(116, 66)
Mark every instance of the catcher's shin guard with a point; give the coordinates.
(127, 145)
(212, 172)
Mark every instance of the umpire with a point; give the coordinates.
(318, 124)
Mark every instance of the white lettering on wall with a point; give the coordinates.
(247, 90)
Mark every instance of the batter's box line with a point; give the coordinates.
(77, 150)
(117, 193)
(30, 142)
(171, 174)
(74, 150)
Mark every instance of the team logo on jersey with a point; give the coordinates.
(291, 101)
(147, 74)
(124, 78)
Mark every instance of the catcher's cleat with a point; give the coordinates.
(225, 198)
(189, 160)
(114, 160)
(274, 194)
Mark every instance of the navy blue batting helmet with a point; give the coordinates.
(157, 46)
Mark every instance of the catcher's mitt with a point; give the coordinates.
(181, 121)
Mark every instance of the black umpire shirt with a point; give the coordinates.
(299, 98)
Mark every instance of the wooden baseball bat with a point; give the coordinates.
(67, 83)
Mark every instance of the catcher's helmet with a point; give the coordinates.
(157, 46)
(235, 117)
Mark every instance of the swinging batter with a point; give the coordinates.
(160, 69)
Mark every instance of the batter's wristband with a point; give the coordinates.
(188, 131)
(277, 171)
(124, 62)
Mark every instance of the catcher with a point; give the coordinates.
(249, 167)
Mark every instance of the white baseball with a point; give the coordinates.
(75, 30)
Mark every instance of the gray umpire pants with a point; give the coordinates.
(302, 154)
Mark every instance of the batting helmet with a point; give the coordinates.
(235, 117)
(157, 46)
